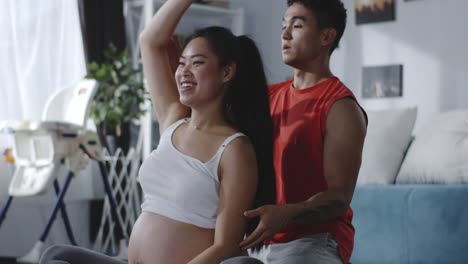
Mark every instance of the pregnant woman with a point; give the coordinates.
(214, 159)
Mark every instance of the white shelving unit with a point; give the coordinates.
(197, 16)
(213, 14)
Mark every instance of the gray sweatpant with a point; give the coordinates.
(64, 254)
(314, 249)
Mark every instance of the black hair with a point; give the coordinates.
(246, 103)
(329, 14)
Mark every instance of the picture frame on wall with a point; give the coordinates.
(373, 11)
(382, 81)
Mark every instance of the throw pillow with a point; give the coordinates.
(439, 153)
(387, 140)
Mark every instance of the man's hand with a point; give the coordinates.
(273, 218)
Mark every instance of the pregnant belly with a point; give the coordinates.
(158, 239)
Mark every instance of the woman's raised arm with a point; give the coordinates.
(159, 53)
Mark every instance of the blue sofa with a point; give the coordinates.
(422, 223)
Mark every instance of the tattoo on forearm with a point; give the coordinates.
(321, 213)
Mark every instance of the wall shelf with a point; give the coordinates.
(205, 10)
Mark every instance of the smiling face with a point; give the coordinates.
(301, 38)
(199, 76)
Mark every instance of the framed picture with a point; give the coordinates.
(372, 11)
(382, 81)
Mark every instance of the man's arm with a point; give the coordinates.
(343, 144)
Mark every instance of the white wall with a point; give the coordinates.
(429, 37)
(263, 24)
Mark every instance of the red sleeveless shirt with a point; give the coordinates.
(299, 121)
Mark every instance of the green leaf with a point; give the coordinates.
(121, 94)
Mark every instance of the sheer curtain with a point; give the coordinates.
(41, 51)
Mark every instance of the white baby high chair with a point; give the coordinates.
(41, 147)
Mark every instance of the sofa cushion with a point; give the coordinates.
(422, 223)
(380, 224)
(439, 153)
(388, 137)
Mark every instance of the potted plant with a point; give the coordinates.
(119, 100)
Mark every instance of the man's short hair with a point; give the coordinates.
(329, 14)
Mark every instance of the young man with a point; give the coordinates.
(319, 132)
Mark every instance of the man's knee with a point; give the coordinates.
(242, 260)
(54, 255)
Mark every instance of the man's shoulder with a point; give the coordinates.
(274, 88)
(339, 85)
(338, 90)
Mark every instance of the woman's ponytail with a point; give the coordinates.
(246, 103)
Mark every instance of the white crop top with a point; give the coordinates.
(181, 187)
